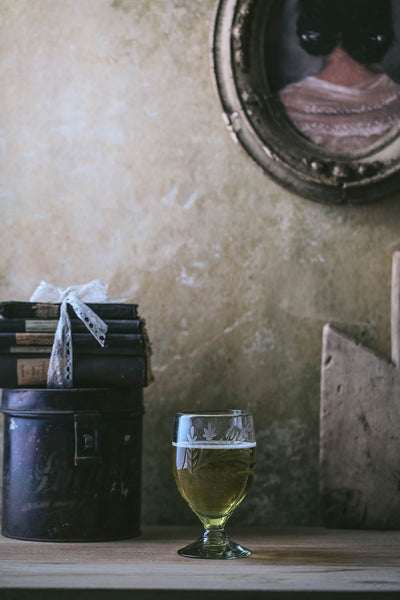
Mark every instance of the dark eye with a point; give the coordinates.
(379, 38)
(310, 36)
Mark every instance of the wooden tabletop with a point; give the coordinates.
(295, 563)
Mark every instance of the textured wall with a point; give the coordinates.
(115, 163)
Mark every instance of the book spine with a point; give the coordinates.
(46, 310)
(15, 325)
(133, 342)
(78, 351)
(88, 371)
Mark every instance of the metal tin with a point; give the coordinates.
(72, 464)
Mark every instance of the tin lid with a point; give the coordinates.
(107, 400)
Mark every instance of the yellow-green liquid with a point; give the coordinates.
(213, 480)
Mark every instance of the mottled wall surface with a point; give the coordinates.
(115, 163)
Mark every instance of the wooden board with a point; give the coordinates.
(302, 563)
(360, 428)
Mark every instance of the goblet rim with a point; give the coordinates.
(214, 413)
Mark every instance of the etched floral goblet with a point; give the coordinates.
(214, 455)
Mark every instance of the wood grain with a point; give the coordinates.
(289, 562)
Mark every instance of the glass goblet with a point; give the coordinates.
(214, 455)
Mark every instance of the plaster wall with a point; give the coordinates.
(115, 163)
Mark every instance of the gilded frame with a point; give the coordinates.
(256, 121)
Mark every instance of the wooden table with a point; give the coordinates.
(296, 563)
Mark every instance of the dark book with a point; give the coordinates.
(85, 343)
(15, 325)
(88, 371)
(46, 310)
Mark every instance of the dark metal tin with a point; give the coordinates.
(72, 464)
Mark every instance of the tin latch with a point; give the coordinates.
(86, 428)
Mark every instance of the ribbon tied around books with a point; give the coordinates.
(60, 368)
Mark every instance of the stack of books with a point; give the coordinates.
(27, 332)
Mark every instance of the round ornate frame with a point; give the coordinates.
(256, 120)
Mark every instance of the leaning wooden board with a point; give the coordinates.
(360, 428)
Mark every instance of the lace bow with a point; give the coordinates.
(60, 368)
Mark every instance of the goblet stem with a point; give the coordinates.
(214, 543)
(215, 538)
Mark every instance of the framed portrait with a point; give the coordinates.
(311, 90)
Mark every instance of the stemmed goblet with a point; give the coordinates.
(214, 455)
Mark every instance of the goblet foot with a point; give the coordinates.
(214, 544)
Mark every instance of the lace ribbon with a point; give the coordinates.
(60, 368)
